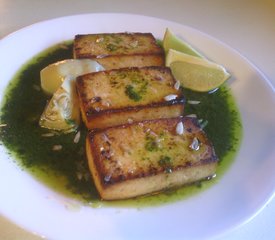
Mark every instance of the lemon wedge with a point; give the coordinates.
(62, 111)
(171, 41)
(55, 74)
(196, 73)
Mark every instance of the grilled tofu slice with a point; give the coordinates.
(115, 97)
(150, 156)
(120, 50)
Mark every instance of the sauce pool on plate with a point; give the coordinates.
(60, 162)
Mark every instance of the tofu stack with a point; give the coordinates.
(138, 142)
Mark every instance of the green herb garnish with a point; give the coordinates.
(111, 47)
(151, 144)
(165, 162)
(136, 90)
(132, 93)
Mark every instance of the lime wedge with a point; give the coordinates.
(196, 73)
(62, 112)
(171, 41)
(55, 74)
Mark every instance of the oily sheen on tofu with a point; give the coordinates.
(119, 96)
(149, 156)
(119, 50)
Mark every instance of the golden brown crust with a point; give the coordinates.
(121, 157)
(118, 50)
(119, 44)
(108, 94)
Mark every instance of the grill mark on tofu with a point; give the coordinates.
(121, 156)
(129, 91)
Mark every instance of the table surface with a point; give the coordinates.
(247, 25)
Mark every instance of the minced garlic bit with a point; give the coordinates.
(203, 123)
(36, 87)
(180, 128)
(97, 109)
(107, 178)
(47, 135)
(191, 116)
(99, 39)
(177, 85)
(195, 145)
(63, 46)
(130, 120)
(77, 137)
(214, 90)
(102, 56)
(134, 44)
(57, 147)
(211, 177)
(140, 124)
(79, 175)
(152, 133)
(170, 97)
(105, 138)
(193, 102)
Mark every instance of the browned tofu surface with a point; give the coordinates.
(150, 156)
(115, 97)
(120, 50)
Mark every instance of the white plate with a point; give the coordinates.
(241, 193)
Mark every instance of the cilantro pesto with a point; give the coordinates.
(132, 93)
(56, 160)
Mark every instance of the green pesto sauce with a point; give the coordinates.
(66, 170)
(132, 93)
